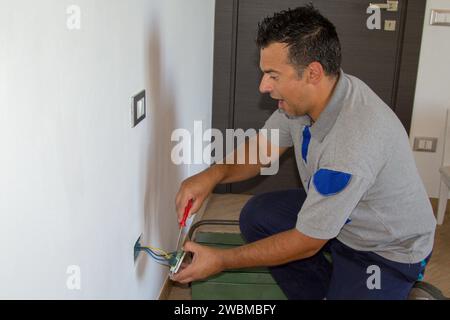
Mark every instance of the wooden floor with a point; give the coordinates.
(228, 206)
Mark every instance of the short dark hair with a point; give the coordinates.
(308, 34)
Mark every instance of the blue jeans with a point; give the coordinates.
(349, 273)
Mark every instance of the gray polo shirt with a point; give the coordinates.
(358, 170)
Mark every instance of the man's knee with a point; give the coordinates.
(270, 213)
(251, 217)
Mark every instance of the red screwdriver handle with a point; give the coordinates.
(186, 213)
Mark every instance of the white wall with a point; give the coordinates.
(432, 97)
(78, 185)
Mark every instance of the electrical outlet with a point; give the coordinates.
(175, 262)
(425, 144)
(440, 17)
(136, 248)
(390, 25)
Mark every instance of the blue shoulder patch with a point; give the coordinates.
(329, 182)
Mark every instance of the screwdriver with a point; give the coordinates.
(183, 220)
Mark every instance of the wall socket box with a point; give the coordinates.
(390, 25)
(425, 144)
(138, 108)
(136, 248)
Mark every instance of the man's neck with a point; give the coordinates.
(323, 98)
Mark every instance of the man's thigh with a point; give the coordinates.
(271, 213)
(366, 275)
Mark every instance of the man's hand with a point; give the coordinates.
(278, 249)
(206, 262)
(197, 188)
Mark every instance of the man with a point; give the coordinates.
(363, 202)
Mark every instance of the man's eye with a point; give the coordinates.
(274, 77)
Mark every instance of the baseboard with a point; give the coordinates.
(165, 290)
(167, 286)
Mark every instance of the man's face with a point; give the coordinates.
(282, 81)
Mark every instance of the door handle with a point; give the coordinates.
(389, 5)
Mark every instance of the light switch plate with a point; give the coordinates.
(425, 144)
(440, 17)
(138, 108)
(392, 5)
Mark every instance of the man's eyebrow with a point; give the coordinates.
(270, 71)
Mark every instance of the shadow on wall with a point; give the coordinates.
(163, 177)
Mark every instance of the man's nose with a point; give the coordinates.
(264, 86)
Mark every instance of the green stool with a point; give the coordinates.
(238, 284)
(258, 283)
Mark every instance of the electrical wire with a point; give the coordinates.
(159, 255)
(152, 254)
(159, 260)
(164, 258)
(155, 250)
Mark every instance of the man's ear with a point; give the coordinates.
(315, 72)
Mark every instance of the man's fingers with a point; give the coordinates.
(196, 205)
(182, 205)
(177, 200)
(183, 275)
(180, 208)
(185, 281)
(186, 274)
(191, 246)
(188, 280)
(184, 265)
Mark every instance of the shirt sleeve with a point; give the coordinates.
(278, 120)
(331, 199)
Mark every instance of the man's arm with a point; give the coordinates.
(235, 172)
(199, 186)
(275, 250)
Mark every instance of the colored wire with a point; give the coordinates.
(159, 255)
(155, 250)
(156, 257)
(159, 260)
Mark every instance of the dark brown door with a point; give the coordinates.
(386, 60)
